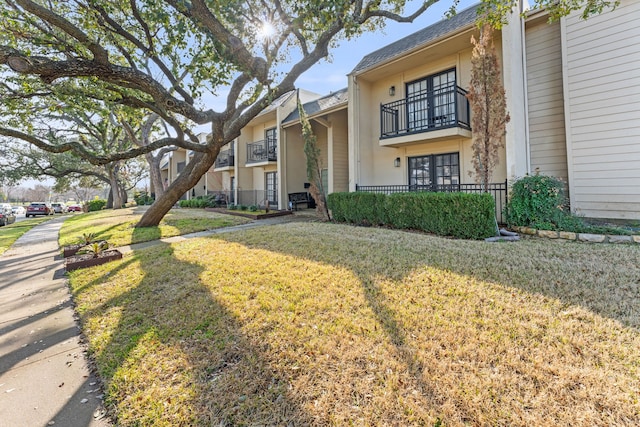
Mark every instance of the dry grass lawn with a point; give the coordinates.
(117, 226)
(322, 324)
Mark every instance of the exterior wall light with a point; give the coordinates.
(396, 162)
(392, 91)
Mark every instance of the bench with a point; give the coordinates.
(297, 198)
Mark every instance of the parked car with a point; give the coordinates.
(59, 207)
(6, 214)
(74, 208)
(17, 210)
(39, 208)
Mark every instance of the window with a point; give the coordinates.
(435, 170)
(272, 143)
(180, 166)
(431, 101)
(272, 188)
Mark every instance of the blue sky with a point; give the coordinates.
(331, 76)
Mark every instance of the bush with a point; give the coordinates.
(467, 216)
(254, 208)
(198, 203)
(358, 208)
(142, 198)
(97, 205)
(232, 207)
(539, 201)
(242, 207)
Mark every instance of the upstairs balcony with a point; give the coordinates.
(226, 159)
(443, 113)
(262, 151)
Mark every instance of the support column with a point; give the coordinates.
(513, 65)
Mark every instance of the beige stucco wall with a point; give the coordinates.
(601, 61)
(296, 173)
(545, 98)
(339, 164)
(258, 131)
(180, 155)
(373, 164)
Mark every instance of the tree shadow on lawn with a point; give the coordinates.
(482, 285)
(171, 353)
(602, 278)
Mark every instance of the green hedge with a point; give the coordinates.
(97, 204)
(461, 215)
(196, 203)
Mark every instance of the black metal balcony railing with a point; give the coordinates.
(497, 190)
(424, 112)
(262, 151)
(226, 158)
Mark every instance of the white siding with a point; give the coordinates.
(546, 102)
(602, 89)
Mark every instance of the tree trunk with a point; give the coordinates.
(123, 194)
(115, 186)
(154, 174)
(187, 179)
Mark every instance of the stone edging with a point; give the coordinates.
(578, 237)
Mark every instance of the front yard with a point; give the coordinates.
(117, 226)
(323, 324)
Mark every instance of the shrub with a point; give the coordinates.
(198, 202)
(97, 205)
(468, 216)
(242, 207)
(142, 198)
(358, 208)
(232, 207)
(538, 201)
(254, 208)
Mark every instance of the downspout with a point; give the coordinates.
(527, 140)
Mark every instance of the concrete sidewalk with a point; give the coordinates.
(44, 375)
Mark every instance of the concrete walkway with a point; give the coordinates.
(44, 376)
(301, 216)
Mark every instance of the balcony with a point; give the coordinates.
(225, 160)
(443, 113)
(262, 151)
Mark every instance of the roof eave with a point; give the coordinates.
(332, 109)
(413, 50)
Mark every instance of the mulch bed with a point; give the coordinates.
(249, 214)
(87, 260)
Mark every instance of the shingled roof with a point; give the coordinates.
(419, 38)
(321, 104)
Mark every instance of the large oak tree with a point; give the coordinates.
(170, 56)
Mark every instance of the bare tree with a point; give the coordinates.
(488, 106)
(314, 165)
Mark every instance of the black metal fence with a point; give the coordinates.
(262, 151)
(497, 190)
(245, 197)
(425, 111)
